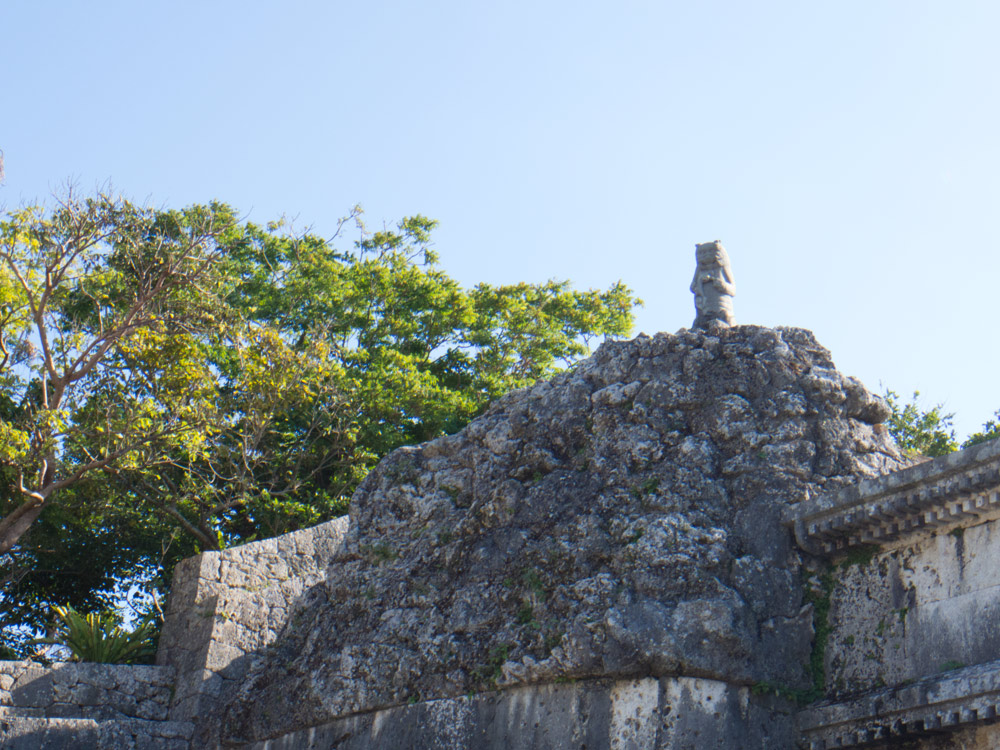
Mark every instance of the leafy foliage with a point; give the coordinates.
(86, 551)
(990, 431)
(927, 432)
(930, 432)
(418, 355)
(99, 637)
(172, 381)
(101, 302)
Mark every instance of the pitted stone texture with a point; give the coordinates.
(18, 733)
(621, 520)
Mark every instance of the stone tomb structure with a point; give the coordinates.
(701, 540)
(913, 649)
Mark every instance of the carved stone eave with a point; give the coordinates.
(944, 491)
(943, 702)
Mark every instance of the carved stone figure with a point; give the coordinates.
(713, 286)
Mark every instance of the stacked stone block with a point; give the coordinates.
(80, 705)
(227, 606)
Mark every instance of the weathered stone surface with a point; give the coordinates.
(916, 712)
(92, 706)
(83, 690)
(950, 490)
(225, 605)
(646, 714)
(912, 610)
(48, 734)
(32, 733)
(620, 521)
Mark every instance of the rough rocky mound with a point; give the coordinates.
(620, 519)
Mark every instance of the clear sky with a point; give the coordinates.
(847, 153)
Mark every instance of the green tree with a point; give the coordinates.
(174, 380)
(418, 354)
(281, 455)
(352, 354)
(91, 296)
(926, 432)
(86, 550)
(990, 431)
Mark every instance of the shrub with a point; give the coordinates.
(99, 637)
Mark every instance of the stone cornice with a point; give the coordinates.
(942, 491)
(928, 706)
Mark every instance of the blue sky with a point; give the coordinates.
(845, 153)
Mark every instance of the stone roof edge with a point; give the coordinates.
(929, 705)
(868, 490)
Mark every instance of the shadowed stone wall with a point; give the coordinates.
(94, 706)
(98, 691)
(226, 605)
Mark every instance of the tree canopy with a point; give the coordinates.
(929, 432)
(177, 380)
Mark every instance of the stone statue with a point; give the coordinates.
(713, 286)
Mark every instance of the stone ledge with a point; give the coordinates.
(643, 713)
(939, 492)
(86, 690)
(91, 734)
(941, 703)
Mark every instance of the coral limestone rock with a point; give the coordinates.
(621, 520)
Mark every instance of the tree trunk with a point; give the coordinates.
(16, 523)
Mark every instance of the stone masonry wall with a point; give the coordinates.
(69, 706)
(226, 605)
(912, 580)
(663, 470)
(83, 690)
(926, 607)
(622, 520)
(915, 581)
